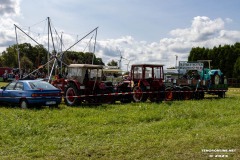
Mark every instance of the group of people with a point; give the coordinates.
(10, 76)
(16, 75)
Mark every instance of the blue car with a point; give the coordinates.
(26, 93)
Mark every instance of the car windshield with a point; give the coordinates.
(41, 85)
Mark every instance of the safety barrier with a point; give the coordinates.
(130, 93)
(145, 92)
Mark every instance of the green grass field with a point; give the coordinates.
(168, 130)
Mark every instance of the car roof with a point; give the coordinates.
(147, 65)
(23, 80)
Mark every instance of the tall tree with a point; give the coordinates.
(10, 57)
(38, 56)
(236, 69)
(26, 63)
(223, 57)
(112, 63)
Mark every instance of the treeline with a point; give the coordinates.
(31, 57)
(226, 58)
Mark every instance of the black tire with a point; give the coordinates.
(23, 104)
(222, 94)
(126, 99)
(54, 106)
(199, 95)
(187, 93)
(138, 95)
(169, 94)
(177, 93)
(107, 99)
(71, 96)
(153, 98)
(157, 97)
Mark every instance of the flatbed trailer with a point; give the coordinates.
(197, 81)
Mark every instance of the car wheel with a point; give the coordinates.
(54, 106)
(23, 104)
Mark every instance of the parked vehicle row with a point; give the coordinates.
(86, 84)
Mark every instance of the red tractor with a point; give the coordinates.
(85, 84)
(147, 82)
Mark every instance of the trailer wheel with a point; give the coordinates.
(138, 95)
(199, 95)
(222, 94)
(187, 93)
(109, 99)
(154, 98)
(70, 95)
(168, 94)
(126, 99)
(177, 93)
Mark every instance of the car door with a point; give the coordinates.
(7, 93)
(18, 92)
(13, 92)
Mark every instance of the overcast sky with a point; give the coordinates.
(143, 31)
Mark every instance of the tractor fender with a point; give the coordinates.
(102, 86)
(143, 82)
(74, 82)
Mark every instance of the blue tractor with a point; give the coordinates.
(213, 80)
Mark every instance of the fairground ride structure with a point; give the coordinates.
(55, 57)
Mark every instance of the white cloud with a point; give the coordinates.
(9, 7)
(202, 32)
(8, 10)
(202, 28)
(7, 33)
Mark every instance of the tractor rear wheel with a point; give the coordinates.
(108, 98)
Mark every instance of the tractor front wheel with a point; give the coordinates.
(71, 96)
(138, 94)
